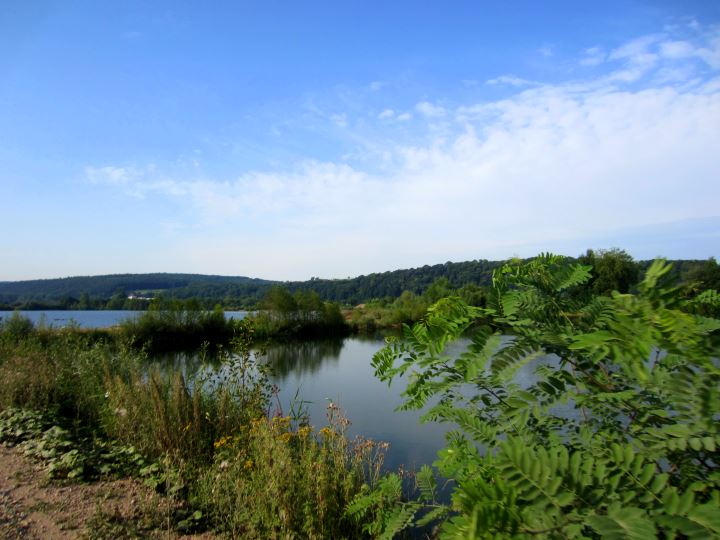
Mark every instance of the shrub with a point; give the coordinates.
(635, 452)
(174, 325)
(16, 327)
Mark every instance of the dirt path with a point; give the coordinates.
(31, 507)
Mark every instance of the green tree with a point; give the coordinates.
(440, 288)
(617, 436)
(84, 302)
(279, 300)
(705, 275)
(117, 301)
(472, 294)
(613, 270)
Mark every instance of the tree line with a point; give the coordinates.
(614, 269)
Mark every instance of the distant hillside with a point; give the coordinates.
(44, 291)
(112, 291)
(392, 284)
(236, 290)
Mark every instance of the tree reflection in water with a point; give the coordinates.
(302, 357)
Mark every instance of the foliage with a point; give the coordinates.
(105, 410)
(60, 372)
(111, 292)
(612, 270)
(302, 315)
(165, 413)
(66, 455)
(277, 479)
(616, 437)
(16, 327)
(706, 275)
(176, 324)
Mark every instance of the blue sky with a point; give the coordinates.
(294, 139)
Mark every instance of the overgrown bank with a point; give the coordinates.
(215, 445)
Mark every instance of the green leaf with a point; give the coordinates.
(621, 523)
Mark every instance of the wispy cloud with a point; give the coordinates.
(430, 110)
(511, 80)
(546, 51)
(593, 56)
(633, 146)
(117, 176)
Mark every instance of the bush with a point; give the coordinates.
(618, 438)
(16, 327)
(177, 325)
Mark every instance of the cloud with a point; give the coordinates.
(548, 165)
(594, 56)
(428, 109)
(404, 117)
(340, 120)
(546, 51)
(677, 49)
(511, 80)
(115, 176)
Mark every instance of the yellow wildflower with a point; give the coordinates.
(222, 441)
(304, 431)
(248, 464)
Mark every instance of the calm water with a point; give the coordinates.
(320, 372)
(339, 371)
(88, 319)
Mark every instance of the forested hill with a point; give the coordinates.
(63, 291)
(392, 284)
(229, 290)
(112, 291)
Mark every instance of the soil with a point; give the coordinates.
(33, 507)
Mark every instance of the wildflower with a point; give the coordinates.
(326, 431)
(222, 441)
(285, 437)
(248, 464)
(281, 422)
(304, 431)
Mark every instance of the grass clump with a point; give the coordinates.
(276, 479)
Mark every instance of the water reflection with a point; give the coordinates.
(302, 358)
(340, 371)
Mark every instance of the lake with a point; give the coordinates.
(88, 319)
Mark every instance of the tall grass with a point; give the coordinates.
(256, 474)
(275, 479)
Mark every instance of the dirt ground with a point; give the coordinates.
(33, 507)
